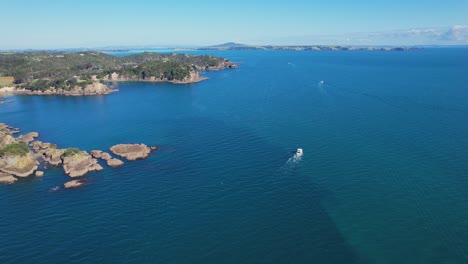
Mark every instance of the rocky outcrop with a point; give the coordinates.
(8, 130)
(96, 88)
(98, 154)
(225, 64)
(7, 178)
(40, 147)
(193, 77)
(19, 166)
(4, 128)
(79, 164)
(222, 65)
(16, 159)
(53, 156)
(5, 139)
(28, 137)
(73, 184)
(20, 157)
(131, 151)
(114, 163)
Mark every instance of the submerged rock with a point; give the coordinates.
(131, 151)
(114, 163)
(73, 184)
(79, 164)
(39, 174)
(7, 178)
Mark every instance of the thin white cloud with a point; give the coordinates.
(456, 35)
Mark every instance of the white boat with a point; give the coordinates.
(299, 152)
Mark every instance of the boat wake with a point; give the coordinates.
(56, 188)
(291, 164)
(321, 87)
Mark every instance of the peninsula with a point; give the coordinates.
(88, 73)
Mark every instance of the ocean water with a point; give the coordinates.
(383, 179)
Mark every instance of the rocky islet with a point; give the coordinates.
(22, 157)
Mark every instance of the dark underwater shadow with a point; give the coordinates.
(252, 211)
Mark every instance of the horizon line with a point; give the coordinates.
(175, 46)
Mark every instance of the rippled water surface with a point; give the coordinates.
(384, 176)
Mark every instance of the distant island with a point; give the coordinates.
(87, 73)
(239, 46)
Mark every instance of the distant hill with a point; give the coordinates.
(229, 45)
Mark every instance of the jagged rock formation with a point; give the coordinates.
(79, 164)
(111, 162)
(53, 156)
(98, 154)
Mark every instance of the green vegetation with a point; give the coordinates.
(170, 70)
(39, 71)
(71, 152)
(14, 149)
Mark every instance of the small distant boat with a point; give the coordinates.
(299, 152)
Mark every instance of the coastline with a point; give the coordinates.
(92, 73)
(105, 90)
(196, 80)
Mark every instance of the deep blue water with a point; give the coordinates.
(384, 177)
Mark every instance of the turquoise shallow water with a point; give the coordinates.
(383, 178)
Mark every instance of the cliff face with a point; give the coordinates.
(97, 88)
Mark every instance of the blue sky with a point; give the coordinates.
(85, 23)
